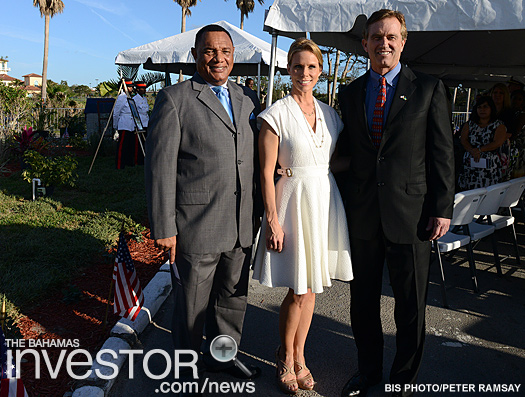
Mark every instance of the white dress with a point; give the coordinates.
(309, 206)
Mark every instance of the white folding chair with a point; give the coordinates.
(511, 200)
(465, 206)
(482, 226)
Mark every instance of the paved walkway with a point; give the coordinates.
(478, 341)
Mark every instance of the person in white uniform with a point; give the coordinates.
(123, 122)
(304, 237)
(143, 108)
(142, 102)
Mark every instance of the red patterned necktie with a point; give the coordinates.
(379, 110)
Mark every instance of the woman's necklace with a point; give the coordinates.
(312, 134)
(308, 114)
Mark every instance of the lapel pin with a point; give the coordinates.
(404, 98)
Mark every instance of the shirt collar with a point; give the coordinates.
(225, 85)
(390, 76)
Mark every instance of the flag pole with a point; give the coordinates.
(112, 285)
(3, 315)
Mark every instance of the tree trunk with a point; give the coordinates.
(242, 21)
(336, 71)
(46, 51)
(182, 30)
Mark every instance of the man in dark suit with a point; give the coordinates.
(399, 197)
(200, 191)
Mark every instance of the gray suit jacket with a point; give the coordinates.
(199, 168)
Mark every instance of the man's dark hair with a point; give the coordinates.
(210, 28)
(484, 99)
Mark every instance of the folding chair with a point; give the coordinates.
(510, 200)
(482, 226)
(465, 206)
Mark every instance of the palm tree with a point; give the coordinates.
(245, 7)
(185, 4)
(48, 9)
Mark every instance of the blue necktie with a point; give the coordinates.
(222, 94)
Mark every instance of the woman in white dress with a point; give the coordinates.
(304, 238)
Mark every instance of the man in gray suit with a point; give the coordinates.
(200, 192)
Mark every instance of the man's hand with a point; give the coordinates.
(168, 244)
(439, 227)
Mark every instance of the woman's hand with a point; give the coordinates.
(475, 153)
(274, 236)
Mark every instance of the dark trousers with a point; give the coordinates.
(408, 267)
(212, 290)
(129, 151)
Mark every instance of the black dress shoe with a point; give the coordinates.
(358, 385)
(238, 370)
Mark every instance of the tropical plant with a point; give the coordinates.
(41, 119)
(53, 171)
(74, 123)
(185, 4)
(111, 87)
(28, 140)
(48, 9)
(246, 7)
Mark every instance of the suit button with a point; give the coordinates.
(236, 193)
(380, 184)
(381, 158)
(239, 162)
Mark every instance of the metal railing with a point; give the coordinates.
(58, 114)
(458, 119)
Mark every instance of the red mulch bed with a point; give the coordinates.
(81, 320)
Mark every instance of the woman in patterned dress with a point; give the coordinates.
(481, 137)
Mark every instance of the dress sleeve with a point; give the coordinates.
(271, 116)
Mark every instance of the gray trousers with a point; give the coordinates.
(212, 290)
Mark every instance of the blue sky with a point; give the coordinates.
(87, 36)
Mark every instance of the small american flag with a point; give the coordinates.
(9, 385)
(129, 298)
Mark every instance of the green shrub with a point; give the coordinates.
(53, 171)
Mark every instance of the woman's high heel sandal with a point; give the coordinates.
(305, 382)
(287, 386)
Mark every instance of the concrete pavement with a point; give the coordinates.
(477, 344)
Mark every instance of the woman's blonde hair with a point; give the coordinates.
(506, 93)
(303, 44)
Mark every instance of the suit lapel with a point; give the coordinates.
(402, 94)
(208, 98)
(237, 101)
(360, 104)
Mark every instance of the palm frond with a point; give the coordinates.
(49, 7)
(127, 72)
(151, 78)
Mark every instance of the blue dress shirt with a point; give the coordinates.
(372, 90)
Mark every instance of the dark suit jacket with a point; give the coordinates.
(411, 177)
(200, 167)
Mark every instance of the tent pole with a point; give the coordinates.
(272, 69)
(259, 81)
(454, 100)
(468, 101)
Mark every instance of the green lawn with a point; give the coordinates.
(46, 243)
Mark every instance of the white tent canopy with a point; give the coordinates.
(480, 39)
(173, 54)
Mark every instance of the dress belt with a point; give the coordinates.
(304, 171)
